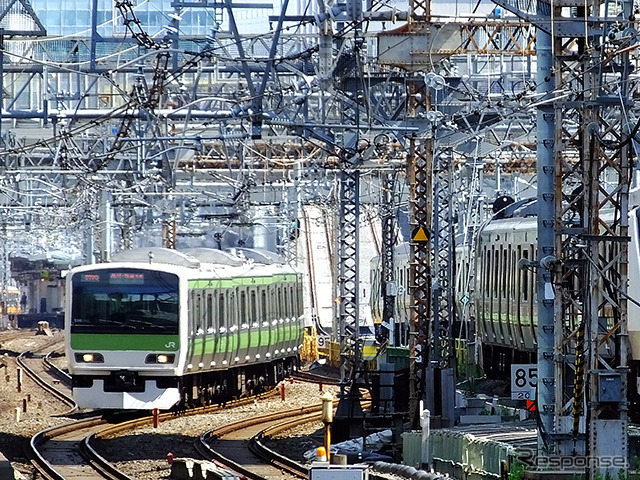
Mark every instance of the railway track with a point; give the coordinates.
(67, 451)
(310, 377)
(63, 396)
(239, 447)
(227, 445)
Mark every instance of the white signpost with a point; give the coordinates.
(524, 379)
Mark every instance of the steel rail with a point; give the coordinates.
(285, 463)
(207, 451)
(58, 372)
(43, 383)
(94, 460)
(310, 377)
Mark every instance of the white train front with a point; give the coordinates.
(157, 328)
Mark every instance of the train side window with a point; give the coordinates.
(513, 271)
(279, 311)
(243, 308)
(518, 275)
(532, 278)
(198, 313)
(525, 278)
(503, 273)
(490, 273)
(263, 305)
(253, 307)
(485, 271)
(494, 272)
(192, 309)
(294, 300)
(221, 310)
(209, 310)
(285, 298)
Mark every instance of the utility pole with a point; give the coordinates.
(387, 271)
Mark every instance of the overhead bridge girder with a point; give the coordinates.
(427, 44)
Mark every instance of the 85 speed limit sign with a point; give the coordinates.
(524, 378)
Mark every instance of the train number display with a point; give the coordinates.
(524, 379)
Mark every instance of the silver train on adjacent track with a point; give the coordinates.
(504, 293)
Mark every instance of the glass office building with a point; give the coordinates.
(73, 17)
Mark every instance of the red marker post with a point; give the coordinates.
(156, 417)
(282, 391)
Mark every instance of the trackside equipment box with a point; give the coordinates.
(326, 471)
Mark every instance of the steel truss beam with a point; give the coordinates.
(583, 272)
(421, 188)
(442, 264)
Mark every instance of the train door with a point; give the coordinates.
(254, 326)
(272, 318)
(218, 328)
(243, 325)
(501, 283)
(263, 321)
(299, 312)
(280, 315)
(492, 265)
(294, 326)
(210, 332)
(517, 297)
(196, 343)
(233, 323)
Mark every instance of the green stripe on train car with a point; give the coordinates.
(222, 344)
(229, 283)
(264, 338)
(107, 341)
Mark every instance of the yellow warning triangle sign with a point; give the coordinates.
(420, 235)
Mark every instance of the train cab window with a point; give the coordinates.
(263, 305)
(126, 300)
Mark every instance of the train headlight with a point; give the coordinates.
(89, 358)
(159, 358)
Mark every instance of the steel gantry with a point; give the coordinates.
(584, 154)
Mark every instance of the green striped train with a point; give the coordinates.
(158, 328)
